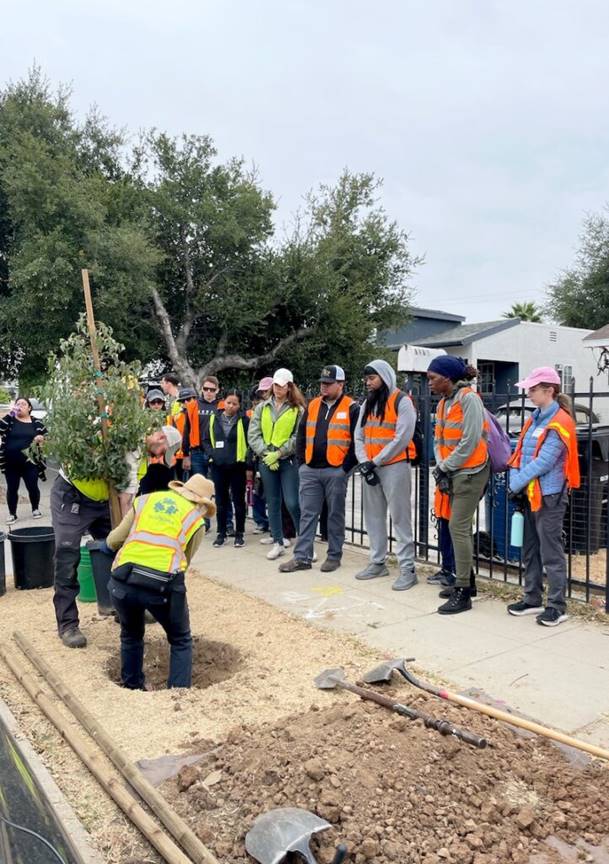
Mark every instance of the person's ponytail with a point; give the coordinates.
(470, 373)
(565, 403)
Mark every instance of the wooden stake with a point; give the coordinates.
(115, 510)
(157, 803)
(94, 761)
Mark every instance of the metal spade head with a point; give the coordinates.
(329, 679)
(384, 671)
(286, 829)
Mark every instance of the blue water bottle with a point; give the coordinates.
(517, 532)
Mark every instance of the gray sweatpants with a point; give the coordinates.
(542, 547)
(317, 485)
(394, 492)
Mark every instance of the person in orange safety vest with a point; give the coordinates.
(462, 468)
(326, 455)
(543, 468)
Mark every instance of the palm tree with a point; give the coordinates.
(527, 311)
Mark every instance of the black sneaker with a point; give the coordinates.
(219, 541)
(551, 617)
(522, 608)
(442, 577)
(293, 565)
(459, 601)
(239, 541)
(230, 531)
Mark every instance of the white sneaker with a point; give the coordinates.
(36, 514)
(11, 519)
(314, 558)
(287, 543)
(267, 541)
(260, 530)
(275, 552)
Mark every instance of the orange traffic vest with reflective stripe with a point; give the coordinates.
(448, 433)
(564, 425)
(339, 431)
(377, 433)
(163, 525)
(179, 421)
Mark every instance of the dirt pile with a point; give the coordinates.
(212, 662)
(395, 791)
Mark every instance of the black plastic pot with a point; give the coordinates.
(101, 564)
(33, 550)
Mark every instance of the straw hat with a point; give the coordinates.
(197, 489)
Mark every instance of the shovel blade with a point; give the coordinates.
(329, 679)
(384, 671)
(286, 829)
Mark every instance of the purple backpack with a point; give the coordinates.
(499, 445)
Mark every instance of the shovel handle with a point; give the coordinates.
(340, 854)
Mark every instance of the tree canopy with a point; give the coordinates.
(184, 260)
(580, 295)
(526, 311)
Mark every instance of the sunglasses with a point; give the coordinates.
(210, 389)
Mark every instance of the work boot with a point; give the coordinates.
(373, 571)
(442, 577)
(473, 590)
(407, 579)
(329, 565)
(73, 638)
(459, 601)
(294, 565)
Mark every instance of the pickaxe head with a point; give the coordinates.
(384, 671)
(329, 679)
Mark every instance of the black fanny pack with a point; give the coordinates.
(147, 577)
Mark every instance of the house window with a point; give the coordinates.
(486, 377)
(566, 376)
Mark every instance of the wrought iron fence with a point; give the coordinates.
(586, 524)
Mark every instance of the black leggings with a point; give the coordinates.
(17, 470)
(230, 479)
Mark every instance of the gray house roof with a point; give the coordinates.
(437, 314)
(464, 334)
(602, 333)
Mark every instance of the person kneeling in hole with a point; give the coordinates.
(156, 540)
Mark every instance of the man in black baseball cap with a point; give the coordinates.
(325, 451)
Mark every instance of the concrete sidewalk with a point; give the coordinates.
(558, 676)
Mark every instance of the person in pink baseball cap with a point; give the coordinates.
(543, 468)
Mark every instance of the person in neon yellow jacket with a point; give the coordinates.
(80, 507)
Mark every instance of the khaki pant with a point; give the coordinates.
(467, 490)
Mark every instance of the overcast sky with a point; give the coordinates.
(489, 121)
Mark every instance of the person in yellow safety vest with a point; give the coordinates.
(384, 431)
(156, 541)
(80, 507)
(326, 455)
(462, 468)
(170, 385)
(272, 437)
(225, 446)
(543, 468)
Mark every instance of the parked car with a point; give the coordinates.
(517, 415)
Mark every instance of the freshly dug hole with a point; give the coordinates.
(395, 791)
(212, 662)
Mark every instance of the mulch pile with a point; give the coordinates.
(397, 792)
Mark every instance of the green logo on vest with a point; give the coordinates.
(166, 505)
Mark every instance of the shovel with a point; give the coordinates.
(384, 671)
(330, 679)
(278, 832)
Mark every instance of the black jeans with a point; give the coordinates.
(171, 612)
(17, 469)
(72, 515)
(229, 482)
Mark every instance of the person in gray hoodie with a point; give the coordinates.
(383, 433)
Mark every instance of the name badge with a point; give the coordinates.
(341, 415)
(538, 432)
(219, 444)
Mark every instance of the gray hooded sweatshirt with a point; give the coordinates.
(404, 429)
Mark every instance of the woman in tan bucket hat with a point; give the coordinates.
(156, 541)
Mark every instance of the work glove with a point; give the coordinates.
(519, 499)
(442, 480)
(271, 460)
(368, 472)
(103, 547)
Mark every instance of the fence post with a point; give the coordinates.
(425, 403)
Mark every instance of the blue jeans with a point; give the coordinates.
(259, 511)
(447, 553)
(171, 612)
(279, 484)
